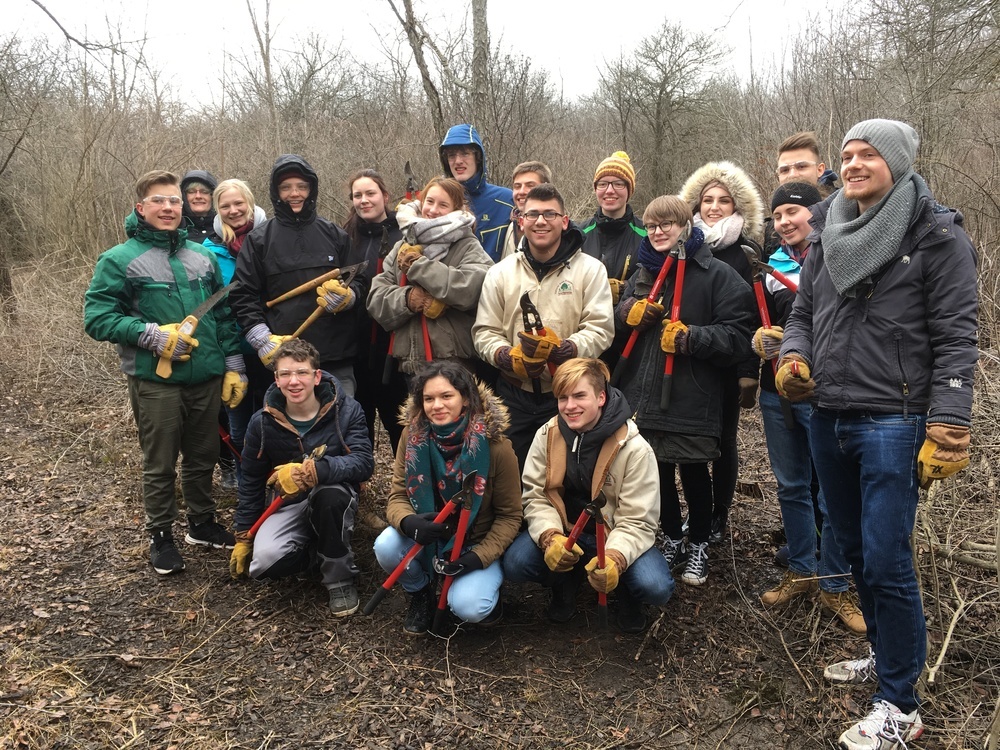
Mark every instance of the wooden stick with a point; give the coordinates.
(303, 288)
(309, 321)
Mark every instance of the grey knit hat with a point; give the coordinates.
(895, 141)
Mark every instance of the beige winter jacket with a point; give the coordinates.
(631, 485)
(573, 300)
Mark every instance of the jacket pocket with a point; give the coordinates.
(899, 349)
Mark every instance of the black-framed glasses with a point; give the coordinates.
(536, 215)
(618, 185)
(663, 226)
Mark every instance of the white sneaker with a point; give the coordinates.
(885, 728)
(854, 671)
(696, 570)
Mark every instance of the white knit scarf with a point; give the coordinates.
(435, 235)
(725, 232)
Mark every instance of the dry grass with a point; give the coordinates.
(96, 651)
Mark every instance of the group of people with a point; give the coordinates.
(481, 326)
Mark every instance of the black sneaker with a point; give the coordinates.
(421, 612)
(720, 524)
(163, 554)
(631, 616)
(565, 588)
(210, 534)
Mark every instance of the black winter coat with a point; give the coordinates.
(287, 251)
(717, 306)
(372, 242)
(614, 241)
(271, 440)
(734, 257)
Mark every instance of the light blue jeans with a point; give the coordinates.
(867, 465)
(791, 462)
(472, 595)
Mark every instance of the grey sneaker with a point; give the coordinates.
(163, 554)
(227, 474)
(885, 728)
(853, 671)
(343, 599)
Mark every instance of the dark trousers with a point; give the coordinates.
(697, 491)
(527, 413)
(726, 467)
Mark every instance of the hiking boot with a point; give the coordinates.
(696, 569)
(163, 554)
(791, 586)
(343, 599)
(227, 474)
(421, 612)
(210, 534)
(671, 549)
(844, 605)
(885, 728)
(720, 524)
(853, 671)
(565, 588)
(631, 615)
(781, 557)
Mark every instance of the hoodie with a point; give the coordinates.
(200, 228)
(490, 204)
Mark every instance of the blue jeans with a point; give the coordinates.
(791, 462)
(472, 596)
(647, 579)
(867, 465)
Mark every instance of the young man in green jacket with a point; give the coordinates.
(141, 291)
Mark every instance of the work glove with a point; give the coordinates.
(168, 342)
(434, 308)
(674, 339)
(616, 289)
(526, 368)
(466, 563)
(239, 560)
(793, 379)
(234, 388)
(643, 313)
(945, 452)
(334, 297)
(558, 558)
(748, 392)
(421, 528)
(562, 353)
(407, 255)
(538, 347)
(417, 299)
(289, 480)
(603, 580)
(766, 342)
(265, 342)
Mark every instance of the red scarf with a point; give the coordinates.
(241, 234)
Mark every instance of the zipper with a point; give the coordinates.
(904, 384)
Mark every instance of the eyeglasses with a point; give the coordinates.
(536, 215)
(618, 185)
(162, 200)
(284, 376)
(664, 226)
(799, 166)
(197, 191)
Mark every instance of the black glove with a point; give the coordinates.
(464, 564)
(420, 527)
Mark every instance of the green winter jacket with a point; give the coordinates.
(159, 277)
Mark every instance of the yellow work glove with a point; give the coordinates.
(616, 289)
(407, 255)
(674, 339)
(793, 379)
(234, 388)
(290, 479)
(534, 346)
(168, 342)
(558, 558)
(766, 342)
(239, 560)
(434, 308)
(334, 297)
(643, 314)
(526, 368)
(945, 452)
(603, 580)
(265, 343)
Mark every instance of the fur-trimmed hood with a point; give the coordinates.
(494, 412)
(748, 201)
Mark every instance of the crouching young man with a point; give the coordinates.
(589, 447)
(310, 443)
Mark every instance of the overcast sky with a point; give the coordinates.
(569, 38)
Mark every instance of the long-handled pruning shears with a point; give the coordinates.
(463, 501)
(675, 315)
(531, 320)
(279, 500)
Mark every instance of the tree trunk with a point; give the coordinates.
(480, 62)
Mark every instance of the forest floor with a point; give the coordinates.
(98, 651)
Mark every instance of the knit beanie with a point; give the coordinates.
(617, 166)
(895, 141)
(796, 193)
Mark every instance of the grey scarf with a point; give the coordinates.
(856, 246)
